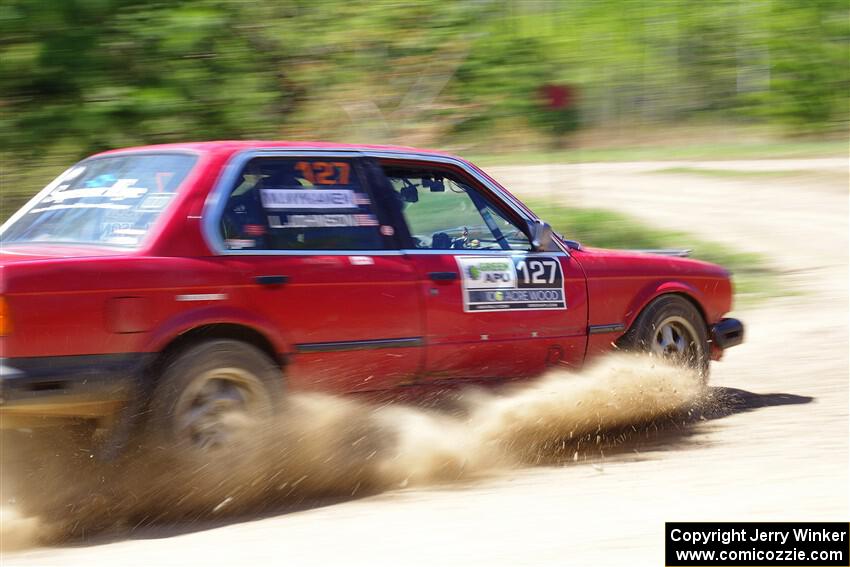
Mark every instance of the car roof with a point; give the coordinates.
(232, 146)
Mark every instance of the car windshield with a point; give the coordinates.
(111, 200)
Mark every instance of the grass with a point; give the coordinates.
(727, 173)
(666, 152)
(752, 278)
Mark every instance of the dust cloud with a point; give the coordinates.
(326, 446)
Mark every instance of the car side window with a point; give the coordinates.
(300, 204)
(444, 213)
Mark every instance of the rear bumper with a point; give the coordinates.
(727, 333)
(39, 391)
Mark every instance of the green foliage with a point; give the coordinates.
(82, 75)
(810, 67)
(728, 148)
(120, 72)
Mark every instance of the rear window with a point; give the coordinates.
(112, 200)
(300, 204)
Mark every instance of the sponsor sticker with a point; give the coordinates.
(309, 199)
(239, 243)
(121, 189)
(254, 229)
(509, 283)
(155, 202)
(321, 221)
(110, 206)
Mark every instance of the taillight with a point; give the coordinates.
(5, 318)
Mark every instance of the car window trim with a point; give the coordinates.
(474, 252)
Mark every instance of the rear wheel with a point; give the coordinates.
(672, 328)
(212, 393)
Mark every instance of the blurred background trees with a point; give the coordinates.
(83, 75)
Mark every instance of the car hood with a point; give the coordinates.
(603, 262)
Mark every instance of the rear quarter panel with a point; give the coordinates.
(80, 306)
(94, 301)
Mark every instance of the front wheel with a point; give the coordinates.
(671, 328)
(211, 393)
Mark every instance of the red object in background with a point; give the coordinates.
(87, 318)
(557, 97)
(254, 229)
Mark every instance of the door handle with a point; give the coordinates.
(271, 280)
(442, 276)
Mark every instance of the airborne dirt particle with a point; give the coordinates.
(329, 446)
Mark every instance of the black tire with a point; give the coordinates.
(211, 391)
(671, 327)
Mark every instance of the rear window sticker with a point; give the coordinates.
(123, 240)
(239, 243)
(254, 229)
(162, 178)
(102, 180)
(120, 233)
(119, 190)
(80, 206)
(321, 221)
(325, 173)
(108, 229)
(73, 173)
(308, 199)
(155, 201)
(366, 220)
(130, 231)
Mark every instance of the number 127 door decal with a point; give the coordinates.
(508, 283)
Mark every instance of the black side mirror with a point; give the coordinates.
(541, 236)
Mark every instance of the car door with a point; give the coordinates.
(306, 236)
(493, 307)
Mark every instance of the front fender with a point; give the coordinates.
(653, 290)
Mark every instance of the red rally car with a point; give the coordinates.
(170, 287)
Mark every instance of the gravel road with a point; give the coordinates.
(782, 456)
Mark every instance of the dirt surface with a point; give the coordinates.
(780, 452)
